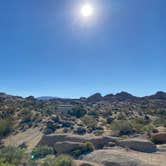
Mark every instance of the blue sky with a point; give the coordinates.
(46, 48)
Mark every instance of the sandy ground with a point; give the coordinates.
(31, 137)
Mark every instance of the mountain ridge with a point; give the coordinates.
(119, 96)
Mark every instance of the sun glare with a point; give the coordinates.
(87, 10)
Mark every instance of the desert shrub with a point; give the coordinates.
(148, 128)
(67, 124)
(50, 127)
(62, 160)
(76, 153)
(142, 125)
(5, 127)
(138, 126)
(94, 112)
(41, 152)
(143, 120)
(110, 120)
(11, 156)
(121, 116)
(159, 122)
(80, 131)
(4, 163)
(122, 127)
(78, 112)
(86, 148)
(56, 119)
(161, 112)
(89, 121)
(106, 113)
(26, 116)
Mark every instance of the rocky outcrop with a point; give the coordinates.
(161, 129)
(97, 141)
(95, 98)
(159, 138)
(122, 96)
(66, 147)
(114, 157)
(161, 147)
(138, 145)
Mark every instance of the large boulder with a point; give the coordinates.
(114, 157)
(161, 148)
(66, 147)
(138, 145)
(97, 141)
(159, 138)
(100, 141)
(161, 129)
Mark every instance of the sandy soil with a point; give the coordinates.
(31, 137)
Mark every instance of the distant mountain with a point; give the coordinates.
(46, 98)
(6, 97)
(122, 96)
(125, 96)
(159, 95)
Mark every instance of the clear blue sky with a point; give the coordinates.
(47, 49)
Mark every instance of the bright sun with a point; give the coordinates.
(87, 10)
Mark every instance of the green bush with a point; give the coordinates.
(78, 112)
(50, 128)
(4, 163)
(11, 155)
(160, 122)
(85, 149)
(122, 127)
(148, 128)
(62, 160)
(41, 152)
(88, 147)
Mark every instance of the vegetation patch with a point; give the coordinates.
(41, 152)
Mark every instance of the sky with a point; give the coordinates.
(48, 49)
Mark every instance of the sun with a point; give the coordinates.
(87, 10)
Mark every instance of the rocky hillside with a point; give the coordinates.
(79, 126)
(96, 114)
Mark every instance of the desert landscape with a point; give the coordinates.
(116, 130)
(82, 82)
